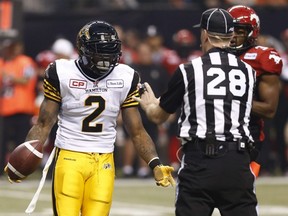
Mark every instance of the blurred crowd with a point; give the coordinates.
(21, 79)
(50, 5)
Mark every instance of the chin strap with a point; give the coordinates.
(239, 50)
(84, 61)
(92, 71)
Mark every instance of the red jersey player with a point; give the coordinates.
(268, 65)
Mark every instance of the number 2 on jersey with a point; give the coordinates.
(236, 79)
(88, 125)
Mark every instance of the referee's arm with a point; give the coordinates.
(150, 104)
(159, 110)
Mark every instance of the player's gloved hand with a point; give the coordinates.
(9, 179)
(163, 176)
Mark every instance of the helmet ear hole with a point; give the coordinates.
(99, 47)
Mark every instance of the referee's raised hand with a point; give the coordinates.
(150, 104)
(147, 97)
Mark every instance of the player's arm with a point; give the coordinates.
(49, 108)
(47, 118)
(40, 132)
(145, 146)
(269, 90)
(133, 123)
(143, 143)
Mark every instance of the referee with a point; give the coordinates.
(215, 95)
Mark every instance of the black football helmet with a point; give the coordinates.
(99, 47)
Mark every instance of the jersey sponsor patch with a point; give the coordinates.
(115, 83)
(250, 56)
(81, 84)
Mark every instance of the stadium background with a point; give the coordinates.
(39, 24)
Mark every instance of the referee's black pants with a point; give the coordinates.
(223, 182)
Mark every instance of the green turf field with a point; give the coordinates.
(135, 197)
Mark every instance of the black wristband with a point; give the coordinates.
(154, 162)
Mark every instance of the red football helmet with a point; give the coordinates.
(184, 37)
(246, 17)
(44, 58)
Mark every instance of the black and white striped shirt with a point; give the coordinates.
(215, 95)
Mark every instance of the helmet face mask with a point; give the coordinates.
(245, 19)
(240, 38)
(99, 47)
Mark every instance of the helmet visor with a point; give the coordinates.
(104, 47)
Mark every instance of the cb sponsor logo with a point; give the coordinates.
(81, 84)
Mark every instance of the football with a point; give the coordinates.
(24, 160)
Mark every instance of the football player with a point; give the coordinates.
(86, 95)
(268, 65)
